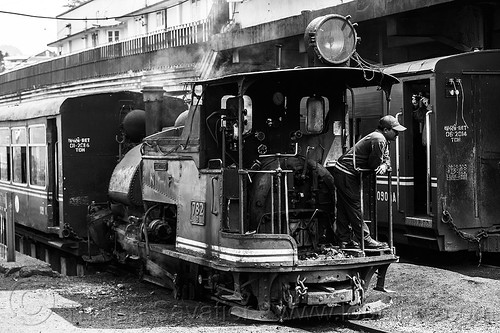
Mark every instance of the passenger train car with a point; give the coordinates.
(447, 165)
(56, 155)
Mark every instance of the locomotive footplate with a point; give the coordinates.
(321, 311)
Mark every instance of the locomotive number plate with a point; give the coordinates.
(197, 213)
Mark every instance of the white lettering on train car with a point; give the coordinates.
(456, 172)
(455, 132)
(78, 144)
(384, 196)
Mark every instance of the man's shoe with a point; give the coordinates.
(371, 243)
(349, 245)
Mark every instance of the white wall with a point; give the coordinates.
(177, 13)
(97, 11)
(187, 12)
(254, 12)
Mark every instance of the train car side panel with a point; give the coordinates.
(90, 150)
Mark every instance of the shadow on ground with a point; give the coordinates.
(463, 262)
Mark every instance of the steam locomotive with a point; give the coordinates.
(232, 199)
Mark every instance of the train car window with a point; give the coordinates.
(18, 137)
(4, 154)
(37, 155)
(312, 114)
(230, 103)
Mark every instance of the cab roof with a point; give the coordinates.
(352, 77)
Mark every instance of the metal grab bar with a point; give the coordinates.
(397, 166)
(389, 208)
(278, 184)
(428, 156)
(362, 240)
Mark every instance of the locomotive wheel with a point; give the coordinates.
(247, 297)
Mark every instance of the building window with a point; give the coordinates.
(160, 19)
(95, 39)
(19, 155)
(37, 155)
(113, 36)
(4, 154)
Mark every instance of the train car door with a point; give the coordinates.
(417, 102)
(416, 182)
(53, 189)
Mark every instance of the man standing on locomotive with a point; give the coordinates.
(370, 153)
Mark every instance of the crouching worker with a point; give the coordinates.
(371, 152)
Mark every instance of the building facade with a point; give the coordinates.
(103, 22)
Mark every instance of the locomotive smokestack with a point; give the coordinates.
(153, 97)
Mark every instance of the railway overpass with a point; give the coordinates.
(390, 31)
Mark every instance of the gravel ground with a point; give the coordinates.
(426, 299)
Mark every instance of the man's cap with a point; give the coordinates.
(391, 122)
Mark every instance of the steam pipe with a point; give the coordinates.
(272, 203)
(287, 217)
(278, 184)
(279, 55)
(241, 106)
(153, 97)
(223, 157)
(145, 229)
(362, 240)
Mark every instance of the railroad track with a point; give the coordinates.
(363, 326)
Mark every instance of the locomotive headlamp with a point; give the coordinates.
(332, 37)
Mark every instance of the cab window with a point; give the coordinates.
(313, 110)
